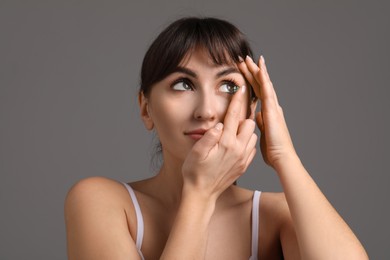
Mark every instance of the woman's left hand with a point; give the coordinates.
(275, 141)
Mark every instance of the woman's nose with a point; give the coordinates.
(206, 108)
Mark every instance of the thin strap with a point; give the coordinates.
(255, 224)
(140, 220)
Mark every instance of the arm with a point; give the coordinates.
(320, 231)
(188, 236)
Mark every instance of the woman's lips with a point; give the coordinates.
(196, 134)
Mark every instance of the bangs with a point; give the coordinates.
(222, 40)
(223, 43)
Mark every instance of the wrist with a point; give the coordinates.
(287, 161)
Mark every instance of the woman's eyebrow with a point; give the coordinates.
(185, 71)
(227, 71)
(191, 73)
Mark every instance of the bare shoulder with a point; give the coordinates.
(94, 188)
(95, 216)
(95, 192)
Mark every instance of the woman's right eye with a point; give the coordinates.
(181, 85)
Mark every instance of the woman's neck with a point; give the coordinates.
(169, 183)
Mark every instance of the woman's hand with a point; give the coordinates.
(275, 141)
(223, 153)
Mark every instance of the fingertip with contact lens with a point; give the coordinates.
(219, 126)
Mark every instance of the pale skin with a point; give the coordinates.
(191, 209)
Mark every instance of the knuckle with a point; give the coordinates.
(251, 123)
(254, 137)
(236, 154)
(197, 151)
(227, 144)
(241, 155)
(212, 133)
(242, 167)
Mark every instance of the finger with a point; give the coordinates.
(246, 129)
(232, 116)
(267, 93)
(266, 77)
(208, 141)
(246, 136)
(252, 143)
(250, 158)
(255, 71)
(249, 77)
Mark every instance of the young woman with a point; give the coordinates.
(199, 90)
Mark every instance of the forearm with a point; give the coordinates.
(321, 232)
(188, 237)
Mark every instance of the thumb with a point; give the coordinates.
(209, 140)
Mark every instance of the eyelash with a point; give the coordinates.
(188, 82)
(231, 81)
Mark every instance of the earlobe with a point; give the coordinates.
(143, 103)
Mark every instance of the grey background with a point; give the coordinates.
(69, 73)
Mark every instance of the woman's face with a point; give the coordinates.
(191, 100)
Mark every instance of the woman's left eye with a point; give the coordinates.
(229, 87)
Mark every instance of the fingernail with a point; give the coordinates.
(262, 63)
(243, 89)
(249, 58)
(219, 126)
(262, 59)
(240, 59)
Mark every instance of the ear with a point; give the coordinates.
(143, 103)
(252, 108)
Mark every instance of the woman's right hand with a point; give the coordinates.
(223, 154)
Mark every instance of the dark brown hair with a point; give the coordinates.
(223, 41)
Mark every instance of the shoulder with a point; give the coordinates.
(94, 198)
(94, 189)
(92, 183)
(95, 214)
